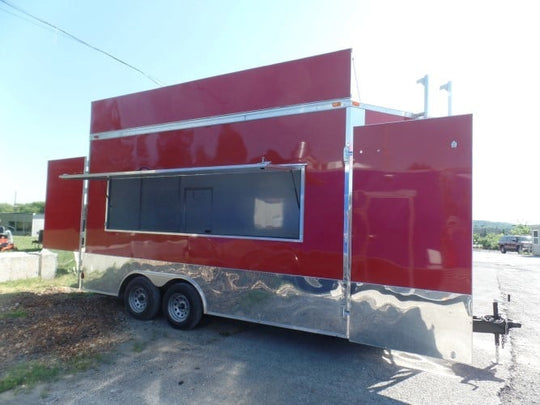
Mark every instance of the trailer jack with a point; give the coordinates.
(495, 324)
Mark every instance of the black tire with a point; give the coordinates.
(182, 306)
(518, 249)
(503, 250)
(142, 299)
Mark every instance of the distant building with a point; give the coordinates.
(23, 223)
(535, 229)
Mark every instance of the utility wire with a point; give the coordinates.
(79, 40)
(28, 20)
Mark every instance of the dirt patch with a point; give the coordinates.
(57, 324)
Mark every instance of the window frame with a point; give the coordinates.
(215, 170)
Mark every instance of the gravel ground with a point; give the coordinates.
(519, 277)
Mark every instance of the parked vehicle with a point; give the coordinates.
(269, 195)
(516, 243)
(6, 240)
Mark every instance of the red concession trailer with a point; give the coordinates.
(270, 195)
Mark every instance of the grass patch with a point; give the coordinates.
(13, 314)
(31, 373)
(25, 243)
(28, 374)
(38, 284)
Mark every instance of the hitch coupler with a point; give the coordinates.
(495, 324)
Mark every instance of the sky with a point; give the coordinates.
(488, 49)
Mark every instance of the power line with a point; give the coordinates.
(28, 20)
(73, 37)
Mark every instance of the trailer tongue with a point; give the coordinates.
(494, 324)
(270, 195)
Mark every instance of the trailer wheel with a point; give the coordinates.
(182, 306)
(142, 298)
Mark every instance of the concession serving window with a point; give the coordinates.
(247, 201)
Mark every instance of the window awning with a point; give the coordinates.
(190, 171)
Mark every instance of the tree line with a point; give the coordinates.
(37, 207)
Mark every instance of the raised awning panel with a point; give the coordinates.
(63, 205)
(322, 77)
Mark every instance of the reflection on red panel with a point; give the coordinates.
(322, 77)
(412, 214)
(63, 205)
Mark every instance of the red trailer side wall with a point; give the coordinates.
(315, 139)
(63, 205)
(295, 139)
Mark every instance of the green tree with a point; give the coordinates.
(488, 241)
(520, 229)
(37, 207)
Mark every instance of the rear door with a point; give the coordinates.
(412, 242)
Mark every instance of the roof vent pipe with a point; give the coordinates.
(448, 87)
(425, 82)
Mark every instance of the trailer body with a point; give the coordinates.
(279, 200)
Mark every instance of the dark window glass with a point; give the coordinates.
(124, 204)
(160, 199)
(198, 210)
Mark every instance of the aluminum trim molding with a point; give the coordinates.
(214, 235)
(184, 171)
(226, 119)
